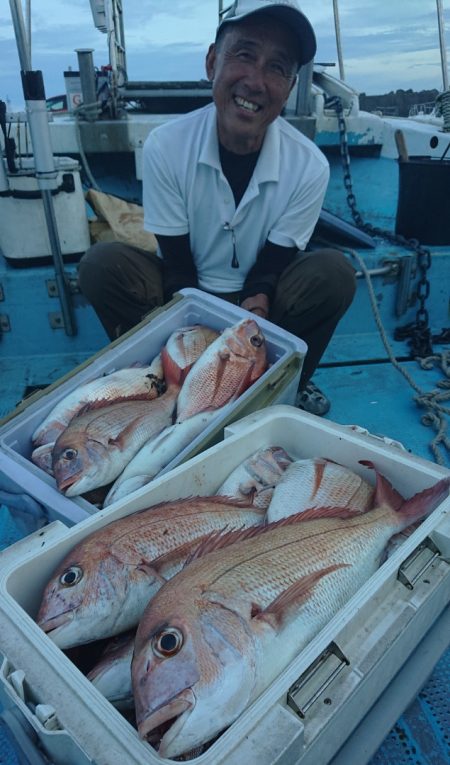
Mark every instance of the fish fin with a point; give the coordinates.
(317, 513)
(151, 572)
(418, 506)
(424, 502)
(183, 550)
(102, 403)
(276, 613)
(319, 470)
(219, 540)
(385, 494)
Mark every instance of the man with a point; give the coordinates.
(232, 193)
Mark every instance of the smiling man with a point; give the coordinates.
(233, 193)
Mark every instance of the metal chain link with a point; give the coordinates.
(419, 333)
(436, 414)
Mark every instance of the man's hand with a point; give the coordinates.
(258, 304)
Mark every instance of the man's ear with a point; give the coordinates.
(210, 63)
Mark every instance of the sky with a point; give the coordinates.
(385, 45)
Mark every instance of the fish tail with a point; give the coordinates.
(424, 502)
(385, 494)
(173, 374)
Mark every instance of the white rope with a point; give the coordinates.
(432, 401)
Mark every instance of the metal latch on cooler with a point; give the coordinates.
(420, 560)
(43, 712)
(315, 680)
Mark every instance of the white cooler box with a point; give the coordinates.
(23, 227)
(278, 385)
(332, 687)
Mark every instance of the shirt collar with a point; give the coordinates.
(267, 168)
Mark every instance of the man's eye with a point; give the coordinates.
(279, 69)
(244, 55)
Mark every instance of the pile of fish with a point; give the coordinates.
(205, 600)
(124, 428)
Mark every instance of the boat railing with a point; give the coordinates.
(424, 108)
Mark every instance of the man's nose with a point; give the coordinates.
(256, 76)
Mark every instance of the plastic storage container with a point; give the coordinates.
(311, 711)
(23, 227)
(277, 385)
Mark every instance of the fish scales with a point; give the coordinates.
(183, 348)
(244, 566)
(230, 364)
(127, 383)
(156, 454)
(217, 634)
(319, 483)
(99, 443)
(103, 585)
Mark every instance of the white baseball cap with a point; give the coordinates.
(287, 11)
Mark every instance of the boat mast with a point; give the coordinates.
(337, 28)
(440, 12)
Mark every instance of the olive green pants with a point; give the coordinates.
(124, 283)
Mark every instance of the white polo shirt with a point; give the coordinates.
(185, 191)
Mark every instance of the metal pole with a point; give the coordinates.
(87, 80)
(21, 37)
(440, 12)
(46, 175)
(28, 20)
(338, 39)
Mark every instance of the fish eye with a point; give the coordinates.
(167, 643)
(71, 576)
(256, 340)
(70, 454)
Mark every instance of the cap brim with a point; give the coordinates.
(294, 19)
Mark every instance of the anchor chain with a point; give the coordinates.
(436, 413)
(418, 334)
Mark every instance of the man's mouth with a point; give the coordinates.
(247, 105)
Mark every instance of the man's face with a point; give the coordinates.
(253, 68)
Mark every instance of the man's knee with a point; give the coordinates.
(104, 265)
(336, 276)
(102, 255)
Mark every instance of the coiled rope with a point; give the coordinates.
(433, 401)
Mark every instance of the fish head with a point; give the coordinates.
(42, 457)
(193, 668)
(77, 603)
(111, 674)
(79, 463)
(247, 341)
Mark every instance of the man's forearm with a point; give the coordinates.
(178, 267)
(264, 274)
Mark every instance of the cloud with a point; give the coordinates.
(386, 46)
